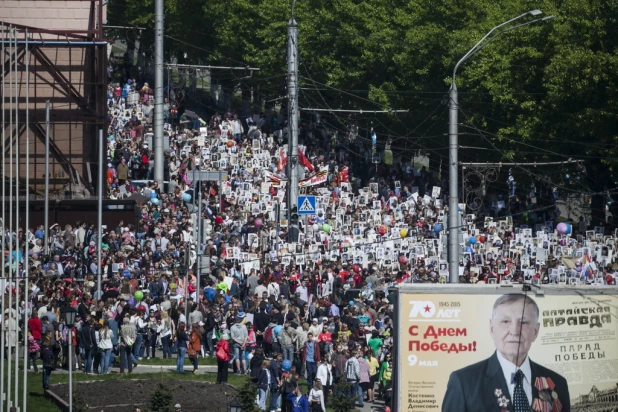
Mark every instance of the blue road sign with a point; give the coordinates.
(306, 205)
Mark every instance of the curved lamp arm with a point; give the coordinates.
(473, 49)
(507, 30)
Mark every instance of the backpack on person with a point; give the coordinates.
(269, 336)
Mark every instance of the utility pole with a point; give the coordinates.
(292, 124)
(158, 109)
(199, 239)
(453, 199)
(17, 175)
(453, 139)
(186, 288)
(278, 224)
(46, 219)
(27, 225)
(3, 226)
(100, 214)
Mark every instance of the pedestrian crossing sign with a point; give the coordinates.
(306, 205)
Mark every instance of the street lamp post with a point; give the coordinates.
(69, 319)
(453, 134)
(234, 406)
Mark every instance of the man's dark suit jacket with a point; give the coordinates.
(472, 388)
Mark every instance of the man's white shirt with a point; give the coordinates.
(509, 369)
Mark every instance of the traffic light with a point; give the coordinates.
(293, 232)
(294, 215)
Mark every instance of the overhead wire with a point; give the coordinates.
(393, 135)
(551, 139)
(310, 78)
(116, 19)
(229, 89)
(488, 185)
(559, 172)
(585, 191)
(533, 146)
(430, 167)
(256, 79)
(483, 133)
(588, 191)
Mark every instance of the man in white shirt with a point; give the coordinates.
(59, 266)
(237, 125)
(80, 233)
(260, 289)
(303, 292)
(273, 290)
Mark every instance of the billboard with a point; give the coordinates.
(457, 347)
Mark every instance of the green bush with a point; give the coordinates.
(246, 396)
(340, 401)
(161, 399)
(79, 403)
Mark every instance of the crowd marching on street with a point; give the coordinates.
(280, 298)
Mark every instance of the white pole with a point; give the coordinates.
(46, 207)
(8, 392)
(199, 240)
(71, 369)
(100, 213)
(2, 260)
(26, 293)
(158, 108)
(17, 161)
(292, 31)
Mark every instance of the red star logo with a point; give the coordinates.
(427, 308)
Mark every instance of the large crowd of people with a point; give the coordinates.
(268, 294)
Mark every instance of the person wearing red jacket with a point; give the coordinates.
(35, 327)
(343, 174)
(343, 274)
(222, 349)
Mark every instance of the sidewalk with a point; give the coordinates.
(377, 406)
(152, 369)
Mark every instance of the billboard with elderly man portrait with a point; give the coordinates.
(472, 348)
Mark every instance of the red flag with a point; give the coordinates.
(302, 159)
(283, 159)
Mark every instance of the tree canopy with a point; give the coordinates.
(543, 92)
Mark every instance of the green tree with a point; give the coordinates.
(79, 403)
(161, 399)
(542, 92)
(246, 396)
(340, 401)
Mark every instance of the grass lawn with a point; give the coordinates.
(37, 402)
